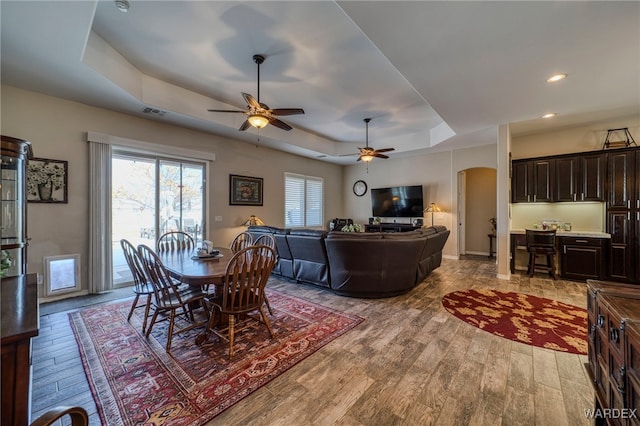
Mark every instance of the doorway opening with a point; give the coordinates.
(477, 206)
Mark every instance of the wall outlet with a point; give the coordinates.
(39, 278)
(218, 218)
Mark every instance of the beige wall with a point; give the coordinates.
(57, 128)
(576, 139)
(480, 206)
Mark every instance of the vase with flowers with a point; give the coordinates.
(353, 227)
(493, 225)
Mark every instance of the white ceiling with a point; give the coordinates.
(432, 75)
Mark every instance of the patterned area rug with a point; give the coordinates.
(528, 319)
(134, 381)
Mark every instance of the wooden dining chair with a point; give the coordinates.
(245, 278)
(269, 241)
(141, 287)
(241, 241)
(168, 298)
(77, 415)
(175, 240)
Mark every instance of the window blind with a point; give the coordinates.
(303, 200)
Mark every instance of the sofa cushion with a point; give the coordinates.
(402, 235)
(309, 254)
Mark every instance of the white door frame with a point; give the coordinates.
(462, 193)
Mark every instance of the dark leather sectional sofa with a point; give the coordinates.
(369, 265)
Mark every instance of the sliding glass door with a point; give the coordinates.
(151, 196)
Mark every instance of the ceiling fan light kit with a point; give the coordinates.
(259, 114)
(258, 121)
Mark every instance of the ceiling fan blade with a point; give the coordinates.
(281, 124)
(380, 155)
(359, 158)
(385, 149)
(251, 101)
(224, 110)
(245, 125)
(287, 111)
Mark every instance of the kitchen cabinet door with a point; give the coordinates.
(567, 178)
(622, 250)
(591, 177)
(621, 176)
(581, 258)
(520, 181)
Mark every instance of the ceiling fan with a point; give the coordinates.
(367, 153)
(259, 114)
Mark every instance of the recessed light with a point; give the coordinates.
(551, 114)
(122, 5)
(556, 77)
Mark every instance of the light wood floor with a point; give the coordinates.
(408, 363)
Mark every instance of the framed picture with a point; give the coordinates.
(47, 181)
(245, 191)
(61, 274)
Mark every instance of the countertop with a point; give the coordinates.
(560, 233)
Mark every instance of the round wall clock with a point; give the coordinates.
(360, 188)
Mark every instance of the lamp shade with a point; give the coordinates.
(366, 158)
(258, 121)
(433, 208)
(253, 220)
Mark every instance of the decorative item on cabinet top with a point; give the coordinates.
(47, 181)
(625, 141)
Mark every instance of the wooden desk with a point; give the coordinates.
(20, 322)
(196, 272)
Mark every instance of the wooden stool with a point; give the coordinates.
(542, 243)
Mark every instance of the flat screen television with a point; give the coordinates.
(397, 201)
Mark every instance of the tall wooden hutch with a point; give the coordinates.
(19, 291)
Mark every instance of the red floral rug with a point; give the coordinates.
(528, 319)
(134, 381)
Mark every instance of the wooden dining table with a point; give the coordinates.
(185, 266)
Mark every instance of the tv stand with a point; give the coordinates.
(391, 227)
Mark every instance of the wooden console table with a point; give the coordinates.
(613, 320)
(20, 322)
(492, 245)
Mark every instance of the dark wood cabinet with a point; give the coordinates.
(613, 315)
(567, 179)
(633, 368)
(580, 178)
(20, 322)
(520, 182)
(591, 177)
(582, 258)
(623, 214)
(532, 181)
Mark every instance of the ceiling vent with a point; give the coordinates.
(154, 111)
